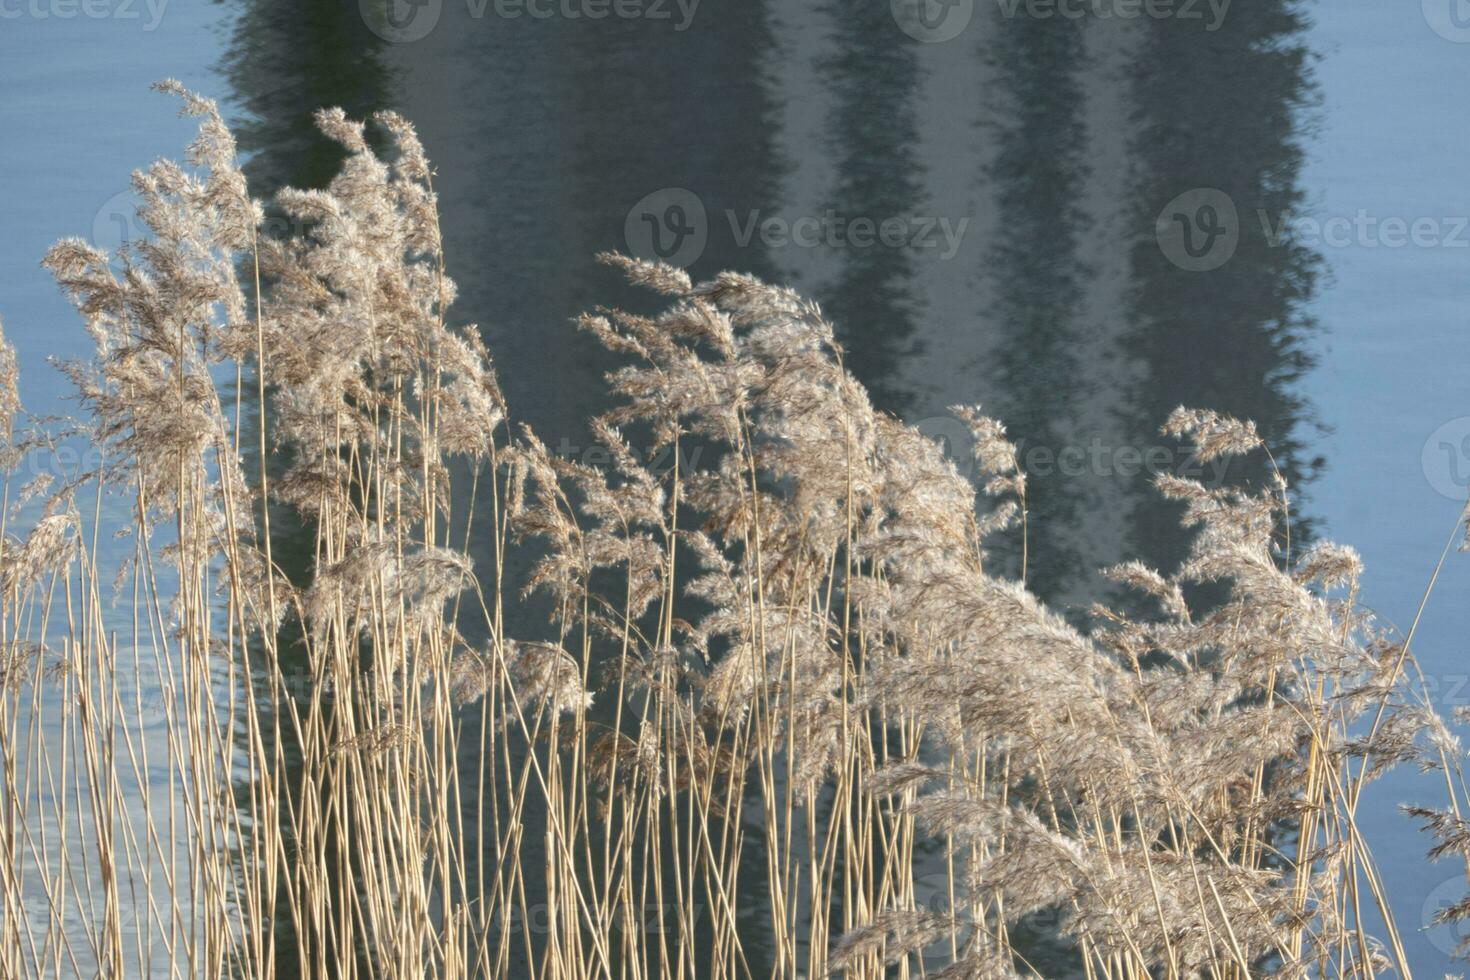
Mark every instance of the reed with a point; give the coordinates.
(786, 718)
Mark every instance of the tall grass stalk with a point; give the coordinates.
(787, 717)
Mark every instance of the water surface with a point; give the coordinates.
(1049, 188)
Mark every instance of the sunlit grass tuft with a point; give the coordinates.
(787, 718)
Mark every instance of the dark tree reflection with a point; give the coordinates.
(1226, 110)
(873, 78)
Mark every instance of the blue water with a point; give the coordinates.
(77, 119)
(1392, 381)
(1038, 154)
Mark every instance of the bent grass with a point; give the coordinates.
(786, 719)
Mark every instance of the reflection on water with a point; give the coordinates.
(1222, 110)
(285, 60)
(1081, 333)
(1035, 118)
(874, 78)
(545, 134)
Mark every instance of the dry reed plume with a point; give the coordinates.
(786, 718)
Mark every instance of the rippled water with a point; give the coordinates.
(1078, 222)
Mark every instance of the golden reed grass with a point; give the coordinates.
(786, 720)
